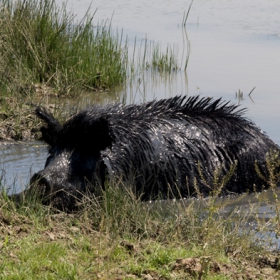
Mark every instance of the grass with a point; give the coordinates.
(164, 61)
(43, 43)
(120, 237)
(36, 242)
(151, 56)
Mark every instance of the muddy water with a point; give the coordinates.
(234, 47)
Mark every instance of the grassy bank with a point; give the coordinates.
(119, 237)
(129, 240)
(41, 42)
(45, 51)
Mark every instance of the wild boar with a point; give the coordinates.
(170, 148)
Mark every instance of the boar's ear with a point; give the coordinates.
(86, 133)
(50, 132)
(100, 132)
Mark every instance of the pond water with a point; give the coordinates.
(233, 47)
(18, 162)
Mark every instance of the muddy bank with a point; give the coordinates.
(17, 120)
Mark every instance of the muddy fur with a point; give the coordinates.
(164, 148)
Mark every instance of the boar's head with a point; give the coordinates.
(74, 163)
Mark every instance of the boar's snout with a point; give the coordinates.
(62, 195)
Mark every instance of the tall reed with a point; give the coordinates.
(43, 43)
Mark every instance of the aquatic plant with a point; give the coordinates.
(164, 61)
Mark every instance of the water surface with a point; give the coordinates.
(18, 162)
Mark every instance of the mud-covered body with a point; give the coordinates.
(165, 149)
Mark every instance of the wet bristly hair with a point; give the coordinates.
(167, 148)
